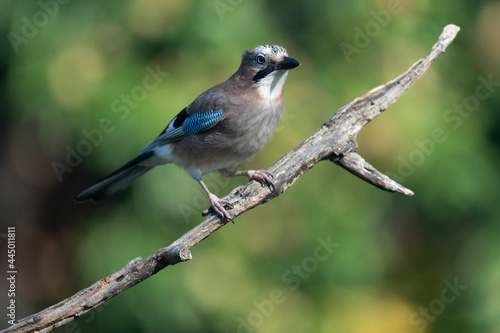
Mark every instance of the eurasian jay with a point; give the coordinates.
(221, 128)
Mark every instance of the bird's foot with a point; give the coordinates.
(262, 176)
(219, 206)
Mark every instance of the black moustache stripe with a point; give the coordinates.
(264, 72)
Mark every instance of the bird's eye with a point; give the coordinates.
(260, 59)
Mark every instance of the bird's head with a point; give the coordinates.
(267, 66)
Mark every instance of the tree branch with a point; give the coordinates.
(335, 141)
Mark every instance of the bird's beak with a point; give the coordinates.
(288, 63)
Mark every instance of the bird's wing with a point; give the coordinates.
(205, 112)
(185, 124)
(182, 125)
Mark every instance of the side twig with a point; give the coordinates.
(335, 141)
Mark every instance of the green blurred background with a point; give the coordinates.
(65, 70)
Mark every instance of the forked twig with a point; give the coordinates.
(334, 141)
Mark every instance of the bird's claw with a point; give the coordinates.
(219, 206)
(263, 177)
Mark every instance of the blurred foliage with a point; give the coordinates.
(65, 67)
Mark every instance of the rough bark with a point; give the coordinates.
(334, 141)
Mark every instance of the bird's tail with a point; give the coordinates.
(117, 180)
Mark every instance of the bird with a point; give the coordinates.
(221, 128)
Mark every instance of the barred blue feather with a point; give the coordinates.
(200, 121)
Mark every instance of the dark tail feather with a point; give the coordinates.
(116, 181)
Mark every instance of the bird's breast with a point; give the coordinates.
(241, 134)
(256, 126)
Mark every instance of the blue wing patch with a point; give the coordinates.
(200, 121)
(191, 124)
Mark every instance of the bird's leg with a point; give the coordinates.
(262, 176)
(217, 204)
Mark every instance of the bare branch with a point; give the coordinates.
(356, 165)
(335, 141)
